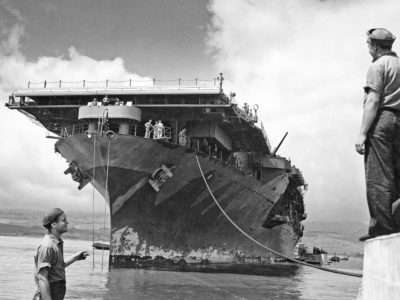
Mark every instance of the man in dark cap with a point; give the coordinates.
(379, 137)
(49, 258)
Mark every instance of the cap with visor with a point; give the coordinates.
(380, 36)
(52, 216)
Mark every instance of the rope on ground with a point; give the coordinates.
(262, 245)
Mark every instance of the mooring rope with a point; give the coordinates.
(261, 244)
(99, 132)
(93, 195)
(105, 202)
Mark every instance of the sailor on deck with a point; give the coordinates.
(158, 130)
(106, 100)
(148, 128)
(379, 137)
(246, 108)
(182, 137)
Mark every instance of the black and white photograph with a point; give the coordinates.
(199, 149)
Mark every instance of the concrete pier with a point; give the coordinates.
(381, 272)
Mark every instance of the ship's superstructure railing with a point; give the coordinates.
(60, 104)
(164, 133)
(74, 129)
(146, 83)
(247, 113)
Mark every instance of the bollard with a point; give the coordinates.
(381, 272)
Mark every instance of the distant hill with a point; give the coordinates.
(73, 233)
(28, 222)
(10, 229)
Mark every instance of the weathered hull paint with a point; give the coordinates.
(181, 220)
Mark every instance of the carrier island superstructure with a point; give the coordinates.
(137, 142)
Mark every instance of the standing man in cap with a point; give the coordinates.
(49, 258)
(379, 137)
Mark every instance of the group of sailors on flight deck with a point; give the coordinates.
(250, 113)
(108, 101)
(157, 130)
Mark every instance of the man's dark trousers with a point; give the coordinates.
(57, 290)
(382, 171)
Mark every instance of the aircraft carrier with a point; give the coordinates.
(137, 143)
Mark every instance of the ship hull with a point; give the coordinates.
(162, 215)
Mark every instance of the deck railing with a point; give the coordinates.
(150, 83)
(75, 129)
(135, 130)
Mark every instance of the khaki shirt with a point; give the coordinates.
(383, 77)
(50, 254)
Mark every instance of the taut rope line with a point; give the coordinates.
(93, 195)
(259, 243)
(105, 203)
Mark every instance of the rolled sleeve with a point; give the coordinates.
(375, 79)
(46, 257)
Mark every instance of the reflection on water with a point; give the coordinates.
(84, 282)
(141, 284)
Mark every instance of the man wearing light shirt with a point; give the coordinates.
(49, 258)
(379, 137)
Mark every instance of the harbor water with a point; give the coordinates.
(86, 282)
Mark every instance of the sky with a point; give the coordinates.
(303, 62)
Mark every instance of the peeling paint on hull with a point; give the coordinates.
(181, 220)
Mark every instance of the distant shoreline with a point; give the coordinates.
(339, 237)
(36, 231)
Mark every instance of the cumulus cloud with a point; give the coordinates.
(304, 62)
(31, 173)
